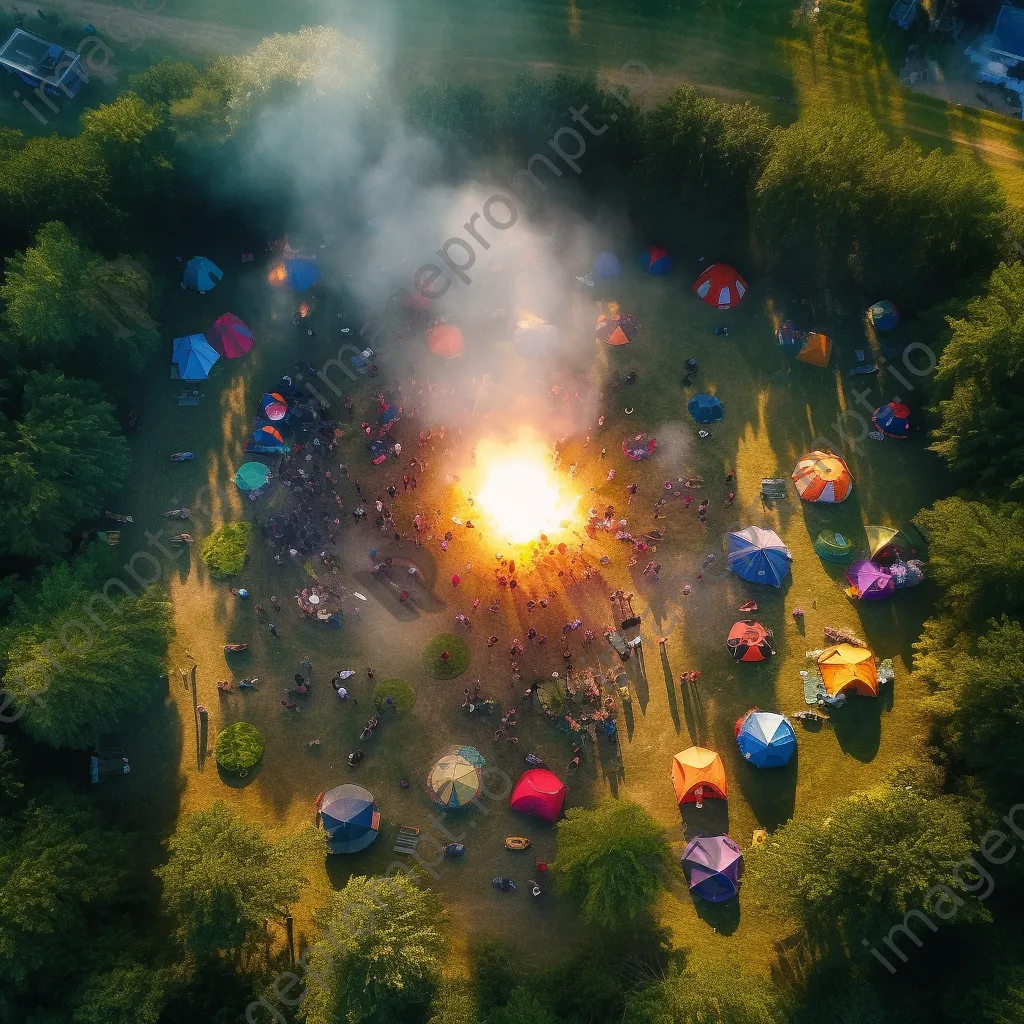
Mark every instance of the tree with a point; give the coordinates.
(59, 462)
(59, 872)
(165, 82)
(457, 116)
(381, 954)
(708, 990)
(978, 694)
(78, 659)
(613, 859)
(523, 1007)
(978, 381)
(854, 870)
(224, 878)
(976, 555)
(128, 993)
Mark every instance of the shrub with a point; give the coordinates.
(404, 695)
(458, 656)
(224, 552)
(239, 748)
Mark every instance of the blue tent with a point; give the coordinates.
(201, 274)
(350, 818)
(884, 315)
(759, 556)
(302, 274)
(193, 357)
(766, 739)
(705, 408)
(266, 440)
(606, 266)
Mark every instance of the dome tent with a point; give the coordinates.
(705, 408)
(656, 260)
(297, 274)
(201, 275)
(824, 477)
(845, 668)
(614, 328)
(886, 544)
(721, 286)
(759, 556)
(446, 340)
(833, 547)
(869, 582)
(606, 266)
(349, 817)
(230, 336)
(884, 315)
(714, 867)
(193, 356)
(750, 641)
(765, 739)
(540, 793)
(698, 767)
(455, 780)
(892, 419)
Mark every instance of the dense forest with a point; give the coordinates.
(92, 933)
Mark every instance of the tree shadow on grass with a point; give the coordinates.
(858, 727)
(770, 792)
(712, 819)
(723, 917)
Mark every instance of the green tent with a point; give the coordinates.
(833, 547)
(886, 544)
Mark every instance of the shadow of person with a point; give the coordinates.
(670, 688)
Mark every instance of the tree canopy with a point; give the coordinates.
(225, 877)
(381, 953)
(613, 859)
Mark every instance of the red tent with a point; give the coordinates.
(446, 340)
(230, 336)
(721, 286)
(540, 793)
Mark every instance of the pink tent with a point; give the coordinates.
(540, 793)
(230, 336)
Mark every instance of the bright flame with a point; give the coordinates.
(522, 496)
(278, 274)
(304, 310)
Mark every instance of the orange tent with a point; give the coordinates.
(822, 476)
(845, 668)
(750, 641)
(698, 766)
(817, 350)
(446, 340)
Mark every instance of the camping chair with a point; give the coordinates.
(113, 538)
(773, 489)
(407, 840)
(189, 398)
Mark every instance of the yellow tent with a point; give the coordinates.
(454, 781)
(845, 667)
(817, 350)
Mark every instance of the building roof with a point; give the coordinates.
(30, 55)
(1008, 35)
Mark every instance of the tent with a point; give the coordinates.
(884, 315)
(810, 346)
(273, 407)
(705, 408)
(266, 440)
(535, 339)
(714, 867)
(833, 547)
(454, 781)
(721, 286)
(617, 328)
(639, 447)
(389, 414)
(822, 476)
(193, 357)
(298, 274)
(765, 739)
(655, 260)
(893, 419)
(230, 336)
(845, 668)
(349, 817)
(251, 476)
(869, 582)
(201, 275)
(759, 556)
(540, 793)
(446, 340)
(750, 641)
(886, 544)
(606, 266)
(698, 766)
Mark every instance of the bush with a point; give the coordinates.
(239, 748)
(224, 552)
(403, 694)
(458, 661)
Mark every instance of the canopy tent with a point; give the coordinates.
(535, 339)
(230, 336)
(606, 266)
(833, 547)
(251, 476)
(655, 260)
(201, 275)
(193, 356)
(638, 448)
(721, 286)
(714, 867)
(765, 739)
(454, 781)
(810, 346)
(750, 641)
(617, 328)
(298, 274)
(540, 793)
(759, 556)
(349, 817)
(869, 582)
(886, 544)
(845, 668)
(884, 315)
(694, 767)
(446, 340)
(266, 440)
(822, 476)
(273, 407)
(705, 408)
(892, 419)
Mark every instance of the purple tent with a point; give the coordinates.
(714, 867)
(872, 582)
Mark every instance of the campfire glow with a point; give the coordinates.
(278, 274)
(522, 496)
(304, 310)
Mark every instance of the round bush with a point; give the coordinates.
(224, 552)
(239, 748)
(404, 695)
(457, 662)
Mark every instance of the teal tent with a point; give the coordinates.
(252, 476)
